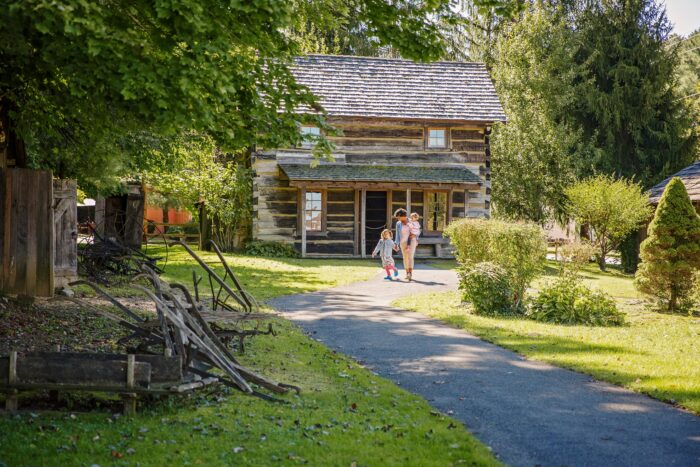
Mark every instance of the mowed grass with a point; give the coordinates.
(654, 353)
(266, 278)
(344, 415)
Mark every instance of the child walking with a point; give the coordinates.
(385, 247)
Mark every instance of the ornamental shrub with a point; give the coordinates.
(487, 287)
(567, 301)
(519, 248)
(613, 208)
(270, 249)
(671, 252)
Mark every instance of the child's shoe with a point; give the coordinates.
(396, 273)
(387, 278)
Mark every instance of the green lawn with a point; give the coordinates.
(345, 415)
(654, 353)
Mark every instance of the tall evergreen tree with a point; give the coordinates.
(629, 105)
(671, 253)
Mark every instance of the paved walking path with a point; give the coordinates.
(529, 413)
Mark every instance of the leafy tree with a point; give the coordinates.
(198, 173)
(533, 153)
(612, 208)
(629, 106)
(671, 252)
(689, 67)
(80, 82)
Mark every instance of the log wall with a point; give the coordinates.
(377, 142)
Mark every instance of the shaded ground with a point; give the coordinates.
(530, 413)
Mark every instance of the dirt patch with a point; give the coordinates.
(43, 324)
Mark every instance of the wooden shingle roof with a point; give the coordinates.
(690, 176)
(391, 88)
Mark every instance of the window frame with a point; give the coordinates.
(426, 212)
(306, 144)
(446, 132)
(301, 211)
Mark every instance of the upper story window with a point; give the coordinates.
(437, 138)
(309, 134)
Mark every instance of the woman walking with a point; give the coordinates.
(406, 240)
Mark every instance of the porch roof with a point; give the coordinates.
(380, 173)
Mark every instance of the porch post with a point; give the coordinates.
(363, 218)
(302, 221)
(356, 224)
(408, 200)
(466, 203)
(449, 206)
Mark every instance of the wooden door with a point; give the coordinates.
(65, 218)
(26, 232)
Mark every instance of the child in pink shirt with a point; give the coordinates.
(413, 227)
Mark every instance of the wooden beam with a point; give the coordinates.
(466, 202)
(363, 218)
(302, 220)
(320, 184)
(408, 200)
(356, 224)
(449, 206)
(389, 203)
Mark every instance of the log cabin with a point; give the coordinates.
(412, 135)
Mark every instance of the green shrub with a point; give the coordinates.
(270, 249)
(487, 287)
(517, 247)
(567, 301)
(671, 252)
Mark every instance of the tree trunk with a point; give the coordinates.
(601, 261)
(673, 300)
(166, 217)
(13, 153)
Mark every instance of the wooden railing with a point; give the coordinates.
(156, 232)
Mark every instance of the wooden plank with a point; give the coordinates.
(302, 216)
(382, 132)
(465, 134)
(449, 211)
(58, 369)
(363, 216)
(379, 186)
(133, 219)
(356, 227)
(28, 232)
(408, 200)
(130, 372)
(468, 146)
(389, 212)
(65, 215)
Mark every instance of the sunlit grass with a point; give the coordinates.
(653, 353)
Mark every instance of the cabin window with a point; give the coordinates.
(310, 135)
(313, 211)
(435, 211)
(437, 138)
